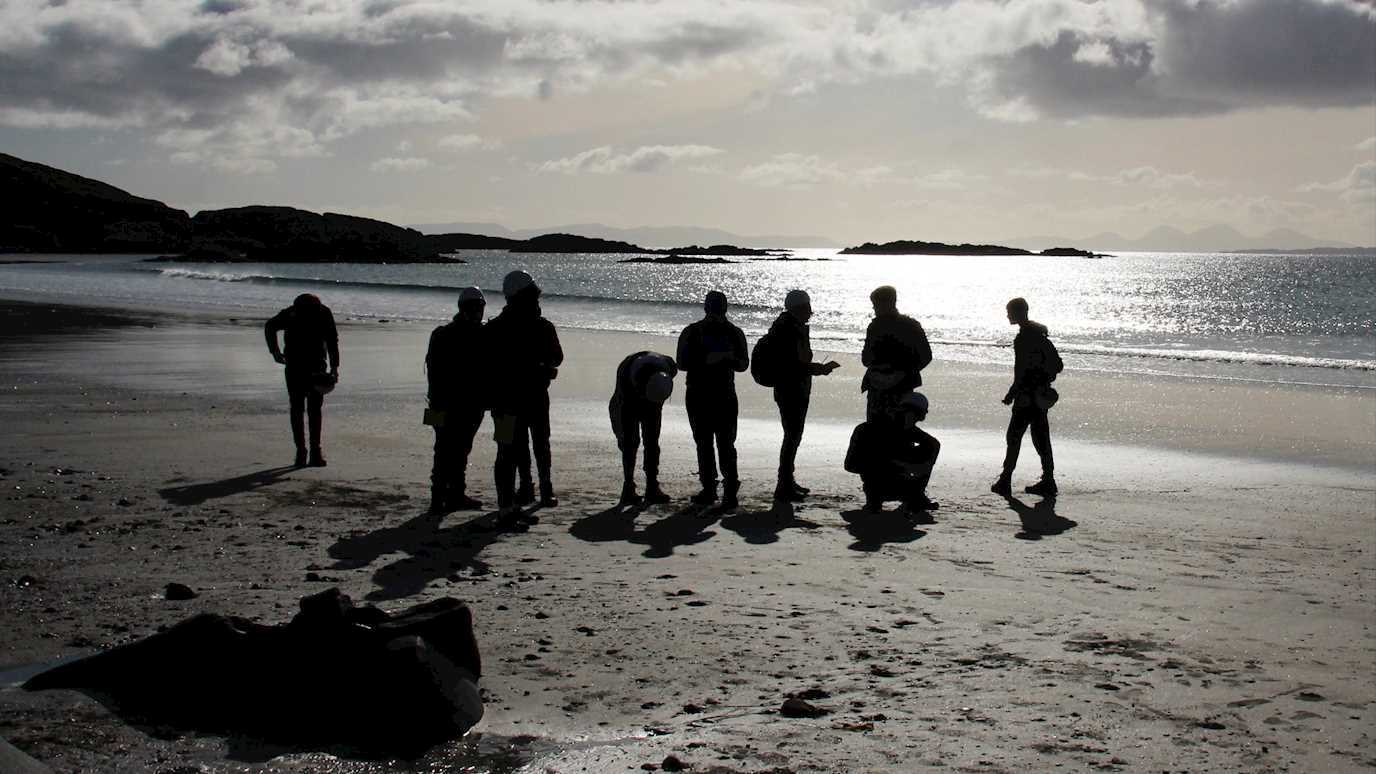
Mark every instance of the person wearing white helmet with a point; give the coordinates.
(644, 381)
(456, 400)
(524, 348)
(793, 385)
(311, 337)
(894, 457)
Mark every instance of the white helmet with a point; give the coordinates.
(659, 387)
(914, 400)
(471, 293)
(515, 282)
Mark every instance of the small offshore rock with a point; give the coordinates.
(794, 707)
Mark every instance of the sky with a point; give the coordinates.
(855, 120)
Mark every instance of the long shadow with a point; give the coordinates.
(1039, 520)
(685, 527)
(763, 527)
(872, 530)
(195, 494)
(430, 550)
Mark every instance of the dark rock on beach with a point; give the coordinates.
(337, 675)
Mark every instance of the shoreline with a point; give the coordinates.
(1172, 610)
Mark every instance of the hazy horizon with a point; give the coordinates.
(950, 120)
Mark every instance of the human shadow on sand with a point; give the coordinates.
(1039, 520)
(195, 494)
(763, 527)
(431, 551)
(872, 530)
(684, 527)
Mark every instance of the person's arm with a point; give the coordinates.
(554, 356)
(1019, 367)
(867, 354)
(922, 348)
(270, 330)
(684, 355)
(332, 342)
(740, 353)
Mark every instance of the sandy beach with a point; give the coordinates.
(1200, 596)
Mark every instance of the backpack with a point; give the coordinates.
(764, 361)
(1051, 359)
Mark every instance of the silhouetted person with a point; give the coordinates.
(711, 351)
(793, 386)
(896, 351)
(1035, 365)
(894, 457)
(644, 380)
(456, 397)
(524, 348)
(311, 337)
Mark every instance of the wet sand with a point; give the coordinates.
(1199, 597)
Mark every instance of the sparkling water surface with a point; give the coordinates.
(1270, 318)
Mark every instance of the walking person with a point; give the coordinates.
(791, 345)
(711, 351)
(524, 348)
(1035, 365)
(456, 401)
(896, 350)
(644, 381)
(310, 338)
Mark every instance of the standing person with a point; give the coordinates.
(896, 351)
(310, 337)
(644, 380)
(1035, 365)
(456, 401)
(524, 348)
(792, 345)
(711, 351)
(894, 457)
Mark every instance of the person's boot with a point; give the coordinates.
(547, 498)
(438, 501)
(787, 492)
(921, 503)
(800, 489)
(707, 496)
(1003, 486)
(1046, 487)
(459, 501)
(629, 497)
(300, 456)
(654, 495)
(317, 459)
(525, 495)
(728, 497)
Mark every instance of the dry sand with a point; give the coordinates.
(1198, 598)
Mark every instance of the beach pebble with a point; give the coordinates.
(179, 592)
(672, 763)
(794, 707)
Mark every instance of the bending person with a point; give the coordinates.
(644, 380)
(311, 337)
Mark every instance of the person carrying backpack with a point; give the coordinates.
(1035, 365)
(789, 354)
(710, 352)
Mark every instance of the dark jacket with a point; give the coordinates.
(634, 373)
(1030, 355)
(795, 373)
(896, 342)
(524, 349)
(882, 449)
(707, 336)
(311, 337)
(454, 364)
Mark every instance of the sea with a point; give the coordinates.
(1270, 318)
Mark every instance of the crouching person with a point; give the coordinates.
(894, 457)
(644, 380)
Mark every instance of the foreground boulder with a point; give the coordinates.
(336, 675)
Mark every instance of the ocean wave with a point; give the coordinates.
(1190, 355)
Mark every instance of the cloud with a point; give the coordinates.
(1357, 186)
(648, 158)
(467, 142)
(1138, 177)
(792, 170)
(245, 68)
(1366, 146)
(399, 164)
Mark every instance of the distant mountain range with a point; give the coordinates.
(650, 236)
(1167, 239)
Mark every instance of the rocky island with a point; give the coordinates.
(913, 247)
